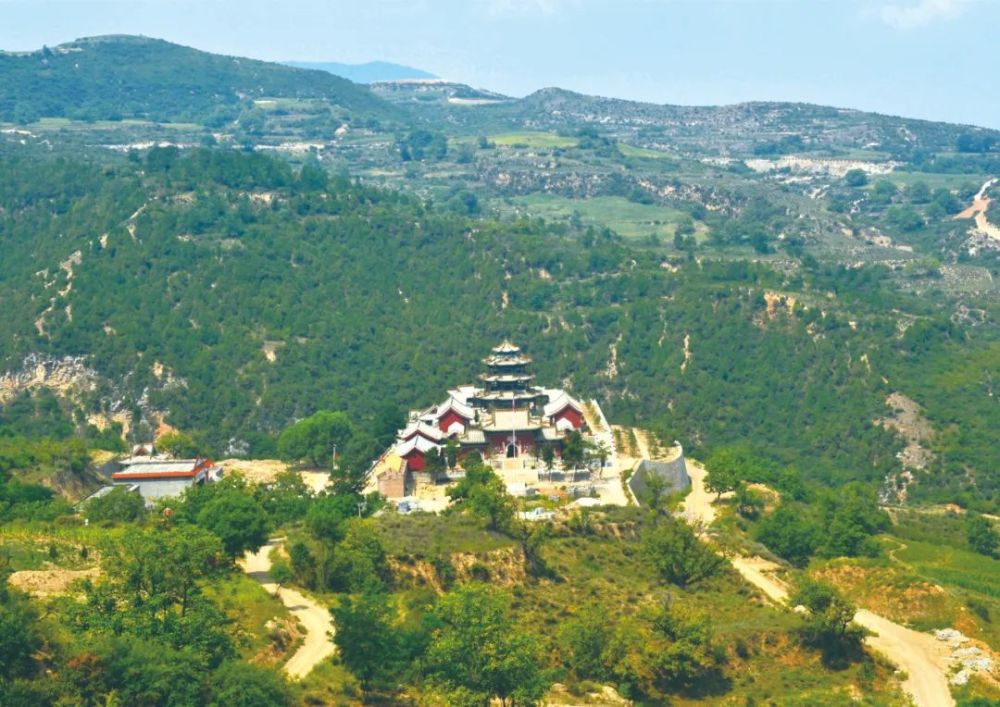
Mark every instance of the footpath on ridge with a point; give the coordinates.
(318, 623)
(924, 659)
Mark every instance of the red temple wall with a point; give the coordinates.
(415, 461)
(568, 413)
(449, 419)
(498, 441)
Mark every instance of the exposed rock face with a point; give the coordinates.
(909, 423)
(69, 376)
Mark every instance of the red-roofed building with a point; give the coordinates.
(158, 477)
(506, 416)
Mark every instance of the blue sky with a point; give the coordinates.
(921, 58)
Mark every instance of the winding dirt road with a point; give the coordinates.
(316, 619)
(924, 659)
(977, 211)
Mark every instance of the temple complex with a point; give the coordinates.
(507, 419)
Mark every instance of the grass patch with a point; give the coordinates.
(533, 139)
(63, 548)
(423, 534)
(627, 218)
(765, 662)
(950, 566)
(329, 683)
(251, 608)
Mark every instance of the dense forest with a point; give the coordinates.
(236, 295)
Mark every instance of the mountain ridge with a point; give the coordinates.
(111, 77)
(365, 72)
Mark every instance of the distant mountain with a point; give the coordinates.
(427, 93)
(118, 76)
(755, 128)
(366, 73)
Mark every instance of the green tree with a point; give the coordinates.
(583, 641)
(238, 520)
(683, 652)
(314, 438)
(151, 590)
(789, 532)
(531, 537)
(451, 448)
(162, 568)
(477, 654)
(328, 515)
(853, 517)
(918, 193)
(281, 572)
(943, 200)
(656, 492)
(883, 192)
(905, 218)
(829, 626)
(359, 560)
(240, 684)
(856, 178)
(981, 535)
(20, 637)
(726, 468)
(179, 445)
(286, 499)
(548, 456)
(484, 494)
(601, 452)
(678, 556)
(119, 505)
(749, 503)
(367, 640)
(574, 450)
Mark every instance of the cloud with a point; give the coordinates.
(920, 14)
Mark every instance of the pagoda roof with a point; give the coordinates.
(453, 403)
(506, 377)
(527, 393)
(417, 443)
(514, 360)
(473, 436)
(420, 427)
(559, 400)
(506, 348)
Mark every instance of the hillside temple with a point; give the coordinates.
(507, 419)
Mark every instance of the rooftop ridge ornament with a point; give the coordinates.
(507, 347)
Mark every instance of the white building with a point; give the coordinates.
(158, 477)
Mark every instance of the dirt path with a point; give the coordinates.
(977, 211)
(316, 619)
(925, 660)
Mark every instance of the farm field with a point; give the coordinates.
(627, 218)
(534, 139)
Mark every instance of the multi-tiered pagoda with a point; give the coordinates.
(505, 417)
(507, 381)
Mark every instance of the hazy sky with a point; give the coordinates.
(922, 58)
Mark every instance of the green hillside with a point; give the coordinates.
(235, 295)
(125, 77)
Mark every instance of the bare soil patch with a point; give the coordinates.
(47, 583)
